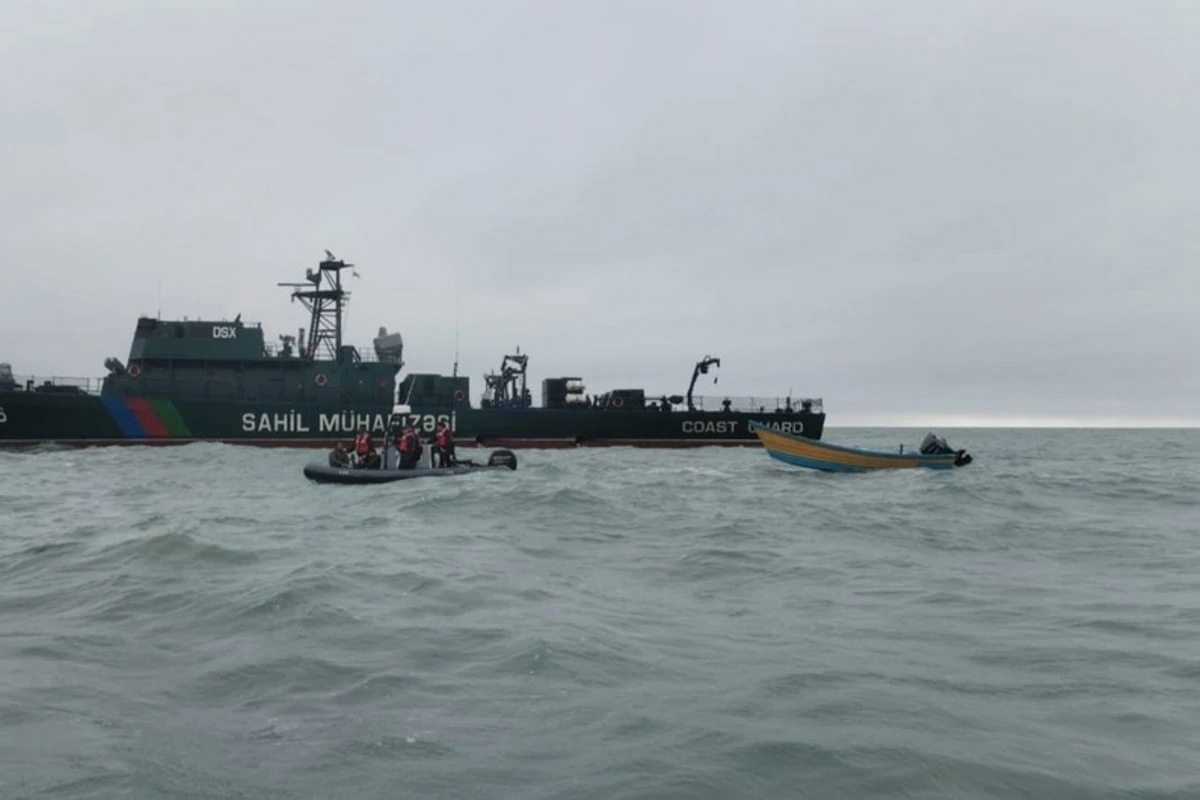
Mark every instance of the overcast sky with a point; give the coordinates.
(957, 211)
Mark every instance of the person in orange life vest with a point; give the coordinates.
(409, 445)
(364, 449)
(444, 445)
(403, 445)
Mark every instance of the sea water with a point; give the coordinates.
(201, 621)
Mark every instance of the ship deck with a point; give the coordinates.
(200, 390)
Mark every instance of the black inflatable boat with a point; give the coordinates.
(323, 473)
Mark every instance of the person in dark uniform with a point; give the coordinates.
(418, 445)
(338, 457)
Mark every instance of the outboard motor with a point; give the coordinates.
(504, 458)
(933, 445)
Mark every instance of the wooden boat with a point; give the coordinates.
(933, 453)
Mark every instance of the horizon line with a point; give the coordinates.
(932, 421)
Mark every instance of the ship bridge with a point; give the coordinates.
(199, 340)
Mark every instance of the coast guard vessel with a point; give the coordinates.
(218, 381)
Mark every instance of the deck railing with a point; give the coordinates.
(761, 405)
(31, 383)
(272, 391)
(198, 389)
(365, 354)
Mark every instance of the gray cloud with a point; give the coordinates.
(969, 210)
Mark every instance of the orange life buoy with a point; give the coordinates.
(618, 402)
(321, 380)
(134, 370)
(459, 395)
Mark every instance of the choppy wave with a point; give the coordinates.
(200, 621)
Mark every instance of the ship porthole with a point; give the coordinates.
(321, 380)
(134, 370)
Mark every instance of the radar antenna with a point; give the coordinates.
(701, 369)
(324, 298)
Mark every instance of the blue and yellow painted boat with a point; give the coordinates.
(933, 453)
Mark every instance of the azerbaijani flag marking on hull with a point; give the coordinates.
(142, 418)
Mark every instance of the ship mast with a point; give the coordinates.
(324, 303)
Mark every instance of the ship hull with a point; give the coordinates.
(31, 418)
